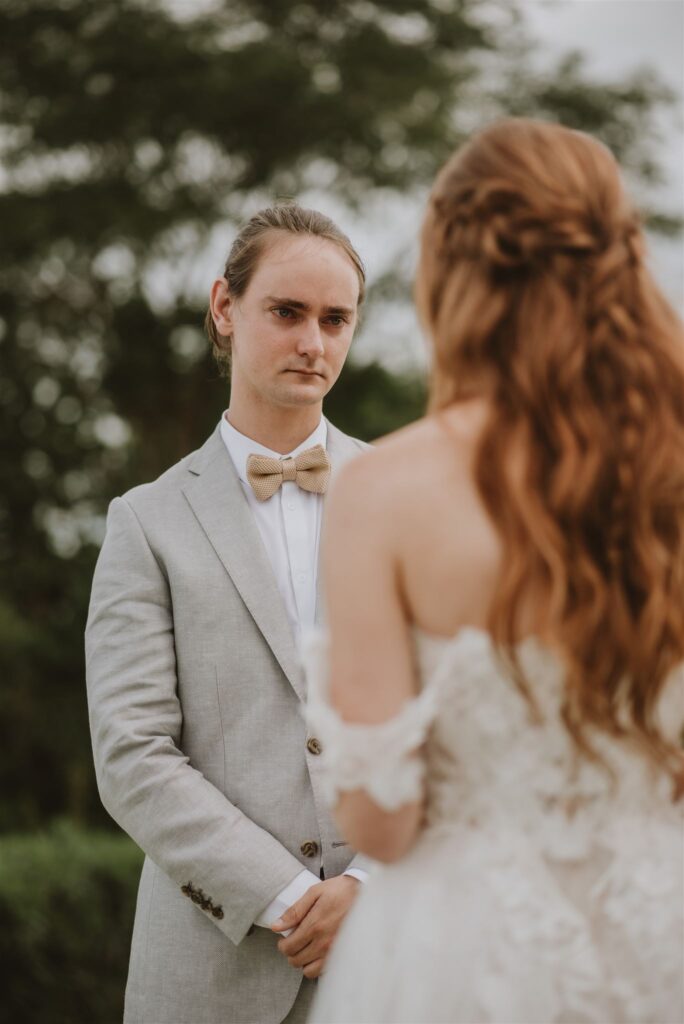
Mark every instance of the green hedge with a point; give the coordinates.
(67, 898)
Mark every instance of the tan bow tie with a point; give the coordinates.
(310, 470)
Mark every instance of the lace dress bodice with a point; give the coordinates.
(583, 859)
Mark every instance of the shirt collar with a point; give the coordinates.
(240, 446)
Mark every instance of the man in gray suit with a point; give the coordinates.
(205, 581)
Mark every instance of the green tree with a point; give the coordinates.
(127, 135)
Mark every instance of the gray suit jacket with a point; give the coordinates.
(195, 692)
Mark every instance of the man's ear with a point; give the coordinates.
(221, 306)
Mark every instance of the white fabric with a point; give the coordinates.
(540, 890)
(285, 898)
(289, 523)
(357, 873)
(290, 526)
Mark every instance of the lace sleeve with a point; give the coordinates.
(381, 759)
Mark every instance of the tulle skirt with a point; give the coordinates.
(474, 928)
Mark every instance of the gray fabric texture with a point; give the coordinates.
(195, 690)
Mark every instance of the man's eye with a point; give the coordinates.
(336, 321)
(283, 312)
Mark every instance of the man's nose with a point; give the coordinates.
(309, 340)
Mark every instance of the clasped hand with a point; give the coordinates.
(315, 919)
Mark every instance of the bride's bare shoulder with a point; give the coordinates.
(418, 454)
(459, 425)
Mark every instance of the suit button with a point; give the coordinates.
(313, 745)
(309, 848)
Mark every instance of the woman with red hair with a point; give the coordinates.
(500, 695)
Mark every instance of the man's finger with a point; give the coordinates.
(291, 948)
(297, 912)
(314, 970)
(305, 956)
(296, 940)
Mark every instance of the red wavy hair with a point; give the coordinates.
(532, 282)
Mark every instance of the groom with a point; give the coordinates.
(205, 581)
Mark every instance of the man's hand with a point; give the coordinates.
(315, 919)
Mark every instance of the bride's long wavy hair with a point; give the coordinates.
(532, 283)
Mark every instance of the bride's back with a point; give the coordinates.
(543, 494)
(446, 545)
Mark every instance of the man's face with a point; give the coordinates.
(292, 328)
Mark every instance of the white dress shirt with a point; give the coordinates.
(289, 523)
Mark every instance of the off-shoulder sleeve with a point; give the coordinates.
(384, 759)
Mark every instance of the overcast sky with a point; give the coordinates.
(619, 36)
(615, 35)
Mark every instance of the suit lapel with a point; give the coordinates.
(216, 497)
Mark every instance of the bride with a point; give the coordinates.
(499, 696)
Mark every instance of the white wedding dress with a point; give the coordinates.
(541, 889)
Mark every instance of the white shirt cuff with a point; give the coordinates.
(294, 891)
(357, 873)
(285, 898)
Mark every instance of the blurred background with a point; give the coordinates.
(134, 136)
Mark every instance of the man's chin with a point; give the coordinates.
(303, 396)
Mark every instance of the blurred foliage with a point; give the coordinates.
(368, 402)
(66, 909)
(127, 135)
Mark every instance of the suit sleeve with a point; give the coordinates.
(230, 867)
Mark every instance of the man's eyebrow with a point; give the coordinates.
(298, 304)
(339, 310)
